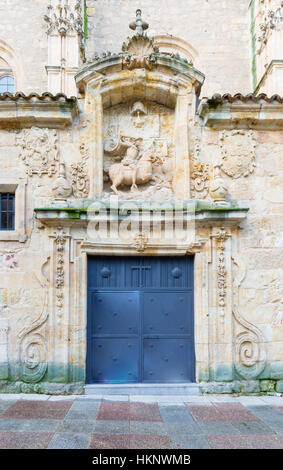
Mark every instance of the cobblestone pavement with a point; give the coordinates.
(140, 422)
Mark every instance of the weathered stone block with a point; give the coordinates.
(279, 386)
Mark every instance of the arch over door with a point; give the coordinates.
(140, 320)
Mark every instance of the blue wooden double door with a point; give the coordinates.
(140, 325)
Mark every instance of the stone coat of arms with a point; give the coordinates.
(237, 152)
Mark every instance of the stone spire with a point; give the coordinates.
(139, 26)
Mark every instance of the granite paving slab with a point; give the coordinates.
(110, 441)
(188, 441)
(125, 411)
(24, 409)
(220, 412)
(67, 440)
(255, 441)
(112, 427)
(77, 426)
(98, 423)
(25, 440)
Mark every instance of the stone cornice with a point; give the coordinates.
(165, 64)
(46, 110)
(202, 212)
(242, 112)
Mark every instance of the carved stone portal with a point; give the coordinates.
(138, 151)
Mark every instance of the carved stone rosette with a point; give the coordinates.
(39, 150)
(237, 152)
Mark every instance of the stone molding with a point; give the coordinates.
(239, 112)
(19, 111)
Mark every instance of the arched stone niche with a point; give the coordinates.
(139, 95)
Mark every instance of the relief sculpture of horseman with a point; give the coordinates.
(135, 166)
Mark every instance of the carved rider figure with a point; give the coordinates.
(130, 160)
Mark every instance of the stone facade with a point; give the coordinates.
(139, 135)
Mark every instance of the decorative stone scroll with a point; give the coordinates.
(237, 152)
(39, 150)
(33, 347)
(33, 344)
(249, 345)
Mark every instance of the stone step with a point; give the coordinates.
(143, 389)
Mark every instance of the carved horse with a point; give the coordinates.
(139, 172)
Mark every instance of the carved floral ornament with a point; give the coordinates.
(39, 150)
(64, 18)
(272, 21)
(237, 149)
(80, 178)
(221, 236)
(200, 179)
(60, 241)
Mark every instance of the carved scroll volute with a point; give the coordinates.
(33, 342)
(249, 342)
